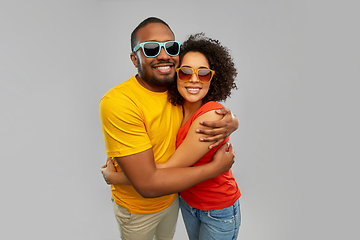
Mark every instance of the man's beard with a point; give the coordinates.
(165, 81)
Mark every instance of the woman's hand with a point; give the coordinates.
(107, 170)
(224, 158)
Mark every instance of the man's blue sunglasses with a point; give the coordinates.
(152, 49)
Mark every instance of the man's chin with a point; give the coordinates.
(158, 80)
(164, 81)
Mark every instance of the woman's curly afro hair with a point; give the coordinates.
(219, 59)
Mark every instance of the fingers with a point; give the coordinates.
(229, 150)
(214, 124)
(213, 132)
(217, 143)
(227, 147)
(224, 147)
(222, 111)
(106, 164)
(229, 154)
(223, 131)
(215, 129)
(102, 168)
(216, 138)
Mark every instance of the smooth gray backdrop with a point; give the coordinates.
(298, 102)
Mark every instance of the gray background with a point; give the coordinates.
(297, 145)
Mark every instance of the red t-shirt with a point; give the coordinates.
(215, 193)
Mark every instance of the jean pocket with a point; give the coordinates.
(224, 215)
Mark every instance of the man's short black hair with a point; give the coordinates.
(143, 24)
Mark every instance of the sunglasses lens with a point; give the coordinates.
(204, 75)
(185, 74)
(151, 49)
(172, 48)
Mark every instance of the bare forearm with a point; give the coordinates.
(152, 182)
(173, 180)
(118, 178)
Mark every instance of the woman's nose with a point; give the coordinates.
(194, 77)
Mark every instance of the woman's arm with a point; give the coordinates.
(191, 149)
(188, 153)
(151, 182)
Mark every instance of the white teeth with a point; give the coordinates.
(193, 89)
(164, 67)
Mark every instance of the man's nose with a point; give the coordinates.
(163, 54)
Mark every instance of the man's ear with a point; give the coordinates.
(134, 59)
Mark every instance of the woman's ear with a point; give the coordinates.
(134, 59)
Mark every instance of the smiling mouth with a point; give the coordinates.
(163, 69)
(193, 89)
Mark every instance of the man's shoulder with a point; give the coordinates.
(128, 89)
(118, 94)
(121, 88)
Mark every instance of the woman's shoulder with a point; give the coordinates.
(212, 105)
(207, 111)
(209, 106)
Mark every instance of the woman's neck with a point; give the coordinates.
(189, 109)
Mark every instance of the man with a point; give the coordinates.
(140, 127)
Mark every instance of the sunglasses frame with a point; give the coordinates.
(196, 72)
(161, 44)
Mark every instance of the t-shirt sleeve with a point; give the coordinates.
(123, 127)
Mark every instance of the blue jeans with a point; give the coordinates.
(222, 224)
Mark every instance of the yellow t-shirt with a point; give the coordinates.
(133, 120)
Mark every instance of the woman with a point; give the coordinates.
(206, 74)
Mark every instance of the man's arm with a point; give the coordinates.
(140, 168)
(219, 129)
(189, 152)
(149, 181)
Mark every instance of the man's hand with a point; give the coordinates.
(220, 129)
(107, 170)
(223, 159)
